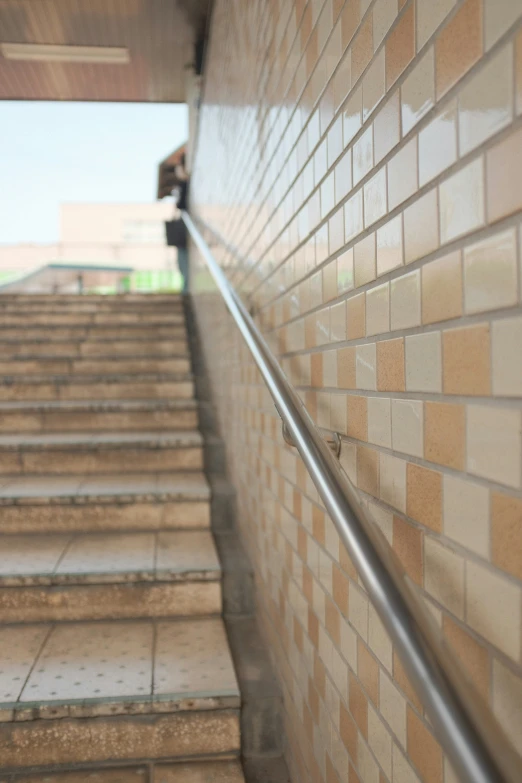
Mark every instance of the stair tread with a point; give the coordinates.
(70, 406)
(157, 666)
(81, 440)
(80, 488)
(107, 558)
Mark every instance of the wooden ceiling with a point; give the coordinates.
(159, 35)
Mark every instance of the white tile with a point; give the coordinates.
(379, 421)
(507, 366)
(365, 366)
(378, 310)
(407, 427)
(444, 576)
(494, 444)
(406, 301)
(466, 514)
(424, 362)
(493, 606)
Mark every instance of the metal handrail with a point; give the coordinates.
(467, 729)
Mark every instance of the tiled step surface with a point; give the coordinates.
(108, 576)
(99, 452)
(57, 365)
(31, 317)
(179, 674)
(95, 332)
(103, 415)
(89, 347)
(212, 771)
(105, 387)
(112, 502)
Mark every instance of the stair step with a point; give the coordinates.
(106, 387)
(212, 771)
(108, 503)
(94, 332)
(98, 452)
(56, 365)
(108, 576)
(105, 415)
(29, 317)
(144, 689)
(90, 348)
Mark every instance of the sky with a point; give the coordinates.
(51, 153)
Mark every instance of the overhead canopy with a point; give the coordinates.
(98, 50)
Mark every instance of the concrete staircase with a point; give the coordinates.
(114, 660)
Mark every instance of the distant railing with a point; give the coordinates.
(467, 729)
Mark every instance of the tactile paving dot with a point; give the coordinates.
(193, 657)
(109, 554)
(93, 661)
(18, 650)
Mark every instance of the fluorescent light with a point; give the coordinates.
(50, 53)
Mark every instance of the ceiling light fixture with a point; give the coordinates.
(52, 53)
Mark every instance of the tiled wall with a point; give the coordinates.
(363, 162)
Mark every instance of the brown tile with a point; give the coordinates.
(356, 318)
(346, 367)
(340, 587)
(318, 525)
(368, 671)
(400, 46)
(313, 701)
(348, 732)
(390, 365)
(473, 656)
(442, 289)
(503, 177)
(407, 545)
(368, 470)
(358, 703)
(357, 417)
(362, 48)
(319, 677)
(302, 547)
(445, 434)
(332, 620)
(423, 750)
(331, 774)
(401, 678)
(298, 635)
(308, 585)
(467, 360)
(350, 17)
(424, 496)
(459, 45)
(506, 533)
(316, 366)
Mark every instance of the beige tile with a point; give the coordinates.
(379, 421)
(421, 227)
(418, 91)
(353, 216)
(486, 102)
(379, 641)
(378, 310)
(406, 301)
(358, 612)
(424, 496)
(499, 15)
(444, 576)
(407, 427)
(338, 413)
(366, 366)
(400, 46)
(390, 365)
(506, 533)
(493, 608)
(466, 514)
(380, 741)
(357, 417)
(503, 177)
(424, 362)
(423, 750)
(459, 45)
(363, 155)
(473, 656)
(366, 764)
(384, 13)
(373, 87)
(362, 48)
(442, 289)
(352, 114)
(507, 702)
(402, 772)
(375, 198)
(494, 444)
(429, 16)
(438, 144)
(402, 174)
(466, 364)
(329, 281)
(389, 246)
(338, 322)
(329, 369)
(364, 256)
(507, 368)
(444, 434)
(343, 177)
(346, 368)
(345, 281)
(490, 273)
(386, 127)
(393, 707)
(393, 481)
(356, 316)
(461, 201)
